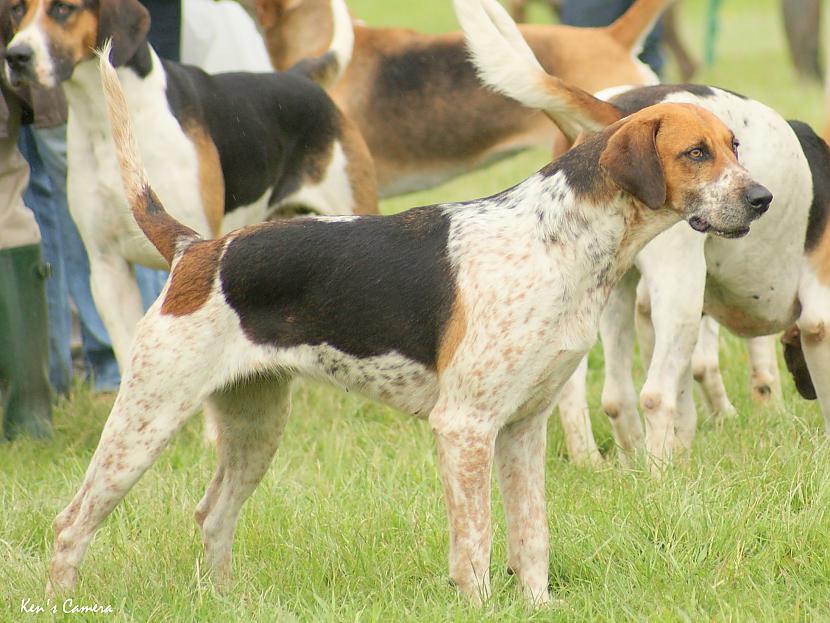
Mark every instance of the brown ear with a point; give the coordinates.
(632, 161)
(266, 13)
(126, 22)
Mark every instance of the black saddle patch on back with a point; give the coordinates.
(367, 287)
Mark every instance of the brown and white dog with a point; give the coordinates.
(411, 310)
(757, 286)
(224, 150)
(416, 99)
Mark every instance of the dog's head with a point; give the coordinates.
(50, 37)
(683, 158)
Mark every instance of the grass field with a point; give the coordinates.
(349, 523)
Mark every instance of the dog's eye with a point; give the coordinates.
(59, 11)
(697, 153)
(18, 11)
(735, 145)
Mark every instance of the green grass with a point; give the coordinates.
(349, 524)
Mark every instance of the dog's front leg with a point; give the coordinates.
(465, 439)
(520, 461)
(765, 381)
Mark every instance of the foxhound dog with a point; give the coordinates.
(412, 310)
(760, 285)
(416, 98)
(223, 150)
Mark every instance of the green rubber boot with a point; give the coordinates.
(24, 343)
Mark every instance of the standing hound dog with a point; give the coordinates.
(760, 285)
(224, 150)
(416, 99)
(410, 310)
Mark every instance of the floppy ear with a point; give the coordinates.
(632, 161)
(126, 22)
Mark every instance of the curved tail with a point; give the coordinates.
(632, 27)
(167, 234)
(327, 68)
(506, 64)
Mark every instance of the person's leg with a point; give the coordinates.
(40, 198)
(24, 342)
(99, 358)
(588, 13)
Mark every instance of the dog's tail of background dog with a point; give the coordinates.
(327, 68)
(506, 63)
(632, 27)
(167, 234)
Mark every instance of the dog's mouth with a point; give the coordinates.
(704, 227)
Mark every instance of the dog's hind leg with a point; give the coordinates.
(250, 418)
(765, 380)
(154, 401)
(706, 369)
(619, 397)
(520, 461)
(576, 422)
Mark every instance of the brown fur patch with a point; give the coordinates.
(192, 279)
(360, 168)
(442, 130)
(454, 333)
(211, 180)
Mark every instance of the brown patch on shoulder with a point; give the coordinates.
(192, 279)
(211, 180)
(360, 168)
(454, 333)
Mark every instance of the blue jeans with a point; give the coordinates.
(603, 12)
(45, 150)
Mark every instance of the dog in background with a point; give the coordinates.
(777, 276)
(224, 150)
(416, 98)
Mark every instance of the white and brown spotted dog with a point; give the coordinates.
(416, 98)
(411, 310)
(223, 150)
(757, 286)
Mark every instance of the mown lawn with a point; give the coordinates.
(349, 524)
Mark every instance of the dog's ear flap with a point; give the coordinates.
(268, 12)
(632, 162)
(127, 23)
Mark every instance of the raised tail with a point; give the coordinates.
(632, 27)
(167, 234)
(506, 64)
(327, 68)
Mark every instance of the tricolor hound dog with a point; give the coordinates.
(416, 98)
(223, 150)
(471, 315)
(760, 285)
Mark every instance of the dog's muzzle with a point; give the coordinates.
(758, 198)
(19, 59)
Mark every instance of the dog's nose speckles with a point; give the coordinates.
(758, 197)
(19, 56)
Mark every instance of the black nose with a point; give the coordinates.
(758, 197)
(19, 56)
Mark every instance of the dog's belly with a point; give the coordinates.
(390, 378)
